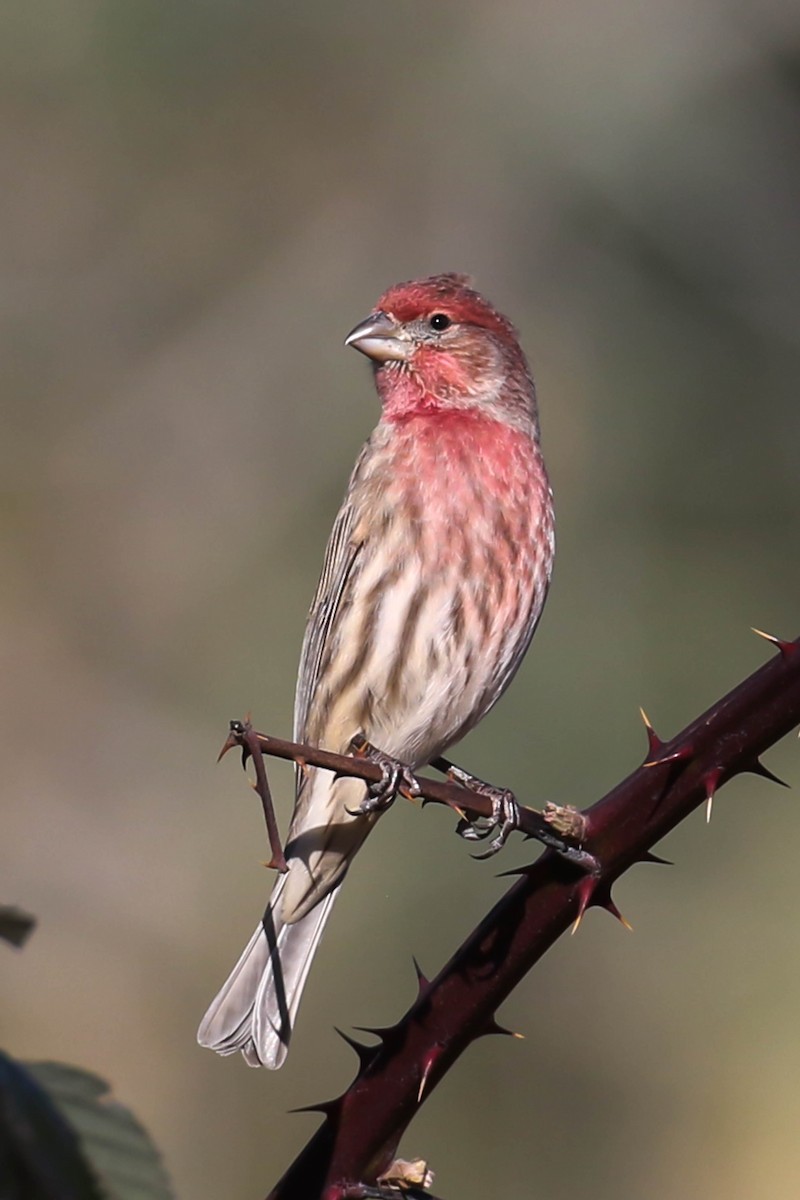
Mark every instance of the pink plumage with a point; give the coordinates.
(433, 581)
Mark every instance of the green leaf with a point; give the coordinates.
(40, 1155)
(118, 1147)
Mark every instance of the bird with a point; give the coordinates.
(432, 584)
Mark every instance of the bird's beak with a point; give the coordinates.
(380, 337)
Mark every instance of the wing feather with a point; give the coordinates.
(341, 555)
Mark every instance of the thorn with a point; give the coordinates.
(359, 1047)
(758, 768)
(610, 907)
(711, 783)
(526, 869)
(649, 857)
(423, 983)
(365, 1053)
(326, 1107)
(492, 1027)
(428, 1063)
(655, 746)
(654, 742)
(384, 1033)
(230, 742)
(426, 1070)
(787, 649)
(586, 889)
(679, 755)
(590, 897)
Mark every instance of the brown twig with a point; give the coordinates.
(242, 734)
(550, 827)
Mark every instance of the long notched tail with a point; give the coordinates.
(256, 1007)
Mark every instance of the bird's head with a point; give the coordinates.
(437, 345)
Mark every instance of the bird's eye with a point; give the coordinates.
(439, 322)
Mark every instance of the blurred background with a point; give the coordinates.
(200, 200)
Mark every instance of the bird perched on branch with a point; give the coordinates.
(433, 582)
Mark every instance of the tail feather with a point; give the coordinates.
(255, 1009)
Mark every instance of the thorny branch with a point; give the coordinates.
(353, 1150)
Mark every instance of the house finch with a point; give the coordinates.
(433, 581)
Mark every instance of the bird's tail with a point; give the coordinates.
(255, 1009)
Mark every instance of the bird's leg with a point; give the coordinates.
(505, 810)
(397, 778)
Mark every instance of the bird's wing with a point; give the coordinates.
(341, 555)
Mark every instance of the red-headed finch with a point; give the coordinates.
(433, 581)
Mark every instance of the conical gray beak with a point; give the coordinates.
(381, 338)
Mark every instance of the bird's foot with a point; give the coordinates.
(504, 818)
(397, 779)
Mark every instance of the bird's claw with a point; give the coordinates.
(504, 818)
(396, 780)
(474, 829)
